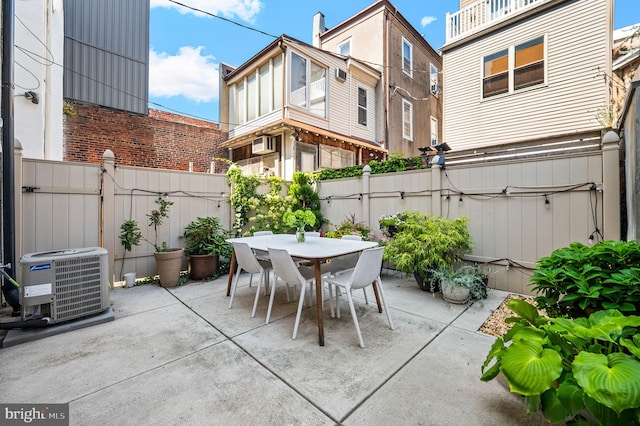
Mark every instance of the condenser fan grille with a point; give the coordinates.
(77, 287)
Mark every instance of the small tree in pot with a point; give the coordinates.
(168, 260)
(206, 242)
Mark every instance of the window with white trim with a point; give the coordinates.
(407, 57)
(332, 157)
(434, 131)
(407, 120)
(362, 106)
(344, 48)
(514, 68)
(434, 87)
(259, 93)
(308, 85)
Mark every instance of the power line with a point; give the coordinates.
(224, 19)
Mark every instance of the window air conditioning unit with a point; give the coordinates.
(435, 89)
(341, 74)
(262, 145)
(66, 284)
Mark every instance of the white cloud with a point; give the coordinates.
(427, 20)
(243, 9)
(189, 73)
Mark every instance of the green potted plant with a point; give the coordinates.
(299, 219)
(424, 243)
(460, 285)
(206, 241)
(168, 260)
(571, 368)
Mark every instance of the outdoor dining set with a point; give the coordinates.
(344, 265)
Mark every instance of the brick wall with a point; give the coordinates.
(160, 140)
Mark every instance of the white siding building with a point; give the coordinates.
(526, 73)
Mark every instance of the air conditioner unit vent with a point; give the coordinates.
(341, 74)
(263, 145)
(65, 284)
(435, 89)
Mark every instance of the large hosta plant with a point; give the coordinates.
(567, 367)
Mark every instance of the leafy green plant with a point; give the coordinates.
(205, 235)
(564, 366)
(349, 226)
(424, 243)
(130, 234)
(305, 196)
(578, 279)
(299, 218)
(395, 163)
(467, 276)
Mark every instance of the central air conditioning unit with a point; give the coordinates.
(263, 145)
(341, 74)
(65, 284)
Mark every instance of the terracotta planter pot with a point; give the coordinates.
(202, 266)
(168, 265)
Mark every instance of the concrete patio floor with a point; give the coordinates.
(180, 356)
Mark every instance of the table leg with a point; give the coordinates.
(375, 291)
(232, 269)
(319, 294)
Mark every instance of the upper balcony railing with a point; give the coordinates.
(482, 14)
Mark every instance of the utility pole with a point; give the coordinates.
(10, 292)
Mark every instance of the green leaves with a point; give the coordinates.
(564, 365)
(529, 368)
(576, 280)
(612, 380)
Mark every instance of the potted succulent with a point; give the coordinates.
(423, 243)
(299, 219)
(206, 241)
(168, 260)
(460, 285)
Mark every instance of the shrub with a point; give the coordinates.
(578, 279)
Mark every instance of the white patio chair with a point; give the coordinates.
(342, 264)
(365, 273)
(286, 269)
(260, 254)
(248, 261)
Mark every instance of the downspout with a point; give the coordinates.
(10, 292)
(386, 69)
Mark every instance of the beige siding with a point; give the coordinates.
(63, 210)
(577, 45)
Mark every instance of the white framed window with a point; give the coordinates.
(344, 47)
(434, 131)
(434, 87)
(407, 120)
(259, 93)
(362, 106)
(517, 67)
(407, 57)
(332, 157)
(307, 84)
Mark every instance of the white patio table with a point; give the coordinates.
(314, 249)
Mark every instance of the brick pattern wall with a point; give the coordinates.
(160, 140)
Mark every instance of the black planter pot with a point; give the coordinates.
(424, 281)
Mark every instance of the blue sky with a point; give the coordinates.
(186, 47)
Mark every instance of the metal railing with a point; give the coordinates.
(482, 14)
